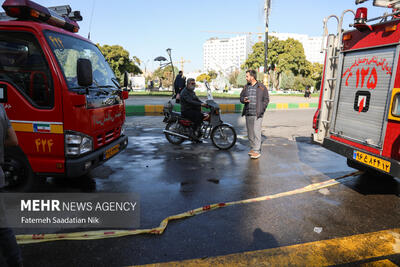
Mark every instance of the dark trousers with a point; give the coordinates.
(195, 116)
(9, 247)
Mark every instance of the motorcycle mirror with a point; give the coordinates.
(209, 94)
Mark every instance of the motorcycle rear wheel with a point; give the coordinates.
(173, 126)
(223, 136)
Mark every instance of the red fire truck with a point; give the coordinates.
(359, 107)
(60, 94)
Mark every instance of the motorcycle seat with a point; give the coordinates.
(177, 114)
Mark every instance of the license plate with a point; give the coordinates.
(111, 151)
(372, 161)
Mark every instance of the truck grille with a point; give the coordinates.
(107, 137)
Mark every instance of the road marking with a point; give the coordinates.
(157, 110)
(344, 250)
(282, 105)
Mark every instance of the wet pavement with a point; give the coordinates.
(173, 179)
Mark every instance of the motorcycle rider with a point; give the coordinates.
(191, 106)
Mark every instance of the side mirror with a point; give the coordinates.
(125, 94)
(3, 93)
(84, 72)
(126, 79)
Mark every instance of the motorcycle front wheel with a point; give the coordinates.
(223, 136)
(174, 126)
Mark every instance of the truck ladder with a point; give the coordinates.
(330, 81)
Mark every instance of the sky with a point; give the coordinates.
(147, 28)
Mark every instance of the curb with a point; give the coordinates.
(133, 110)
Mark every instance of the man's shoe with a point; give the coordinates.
(251, 152)
(255, 155)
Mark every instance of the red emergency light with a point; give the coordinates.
(26, 9)
(360, 20)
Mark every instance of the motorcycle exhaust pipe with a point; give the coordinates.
(176, 134)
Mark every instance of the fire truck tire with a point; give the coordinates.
(370, 172)
(18, 171)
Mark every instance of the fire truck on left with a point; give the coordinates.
(61, 96)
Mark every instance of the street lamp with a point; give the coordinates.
(267, 9)
(145, 65)
(172, 65)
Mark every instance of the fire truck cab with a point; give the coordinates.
(60, 94)
(359, 107)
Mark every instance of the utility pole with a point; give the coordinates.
(267, 9)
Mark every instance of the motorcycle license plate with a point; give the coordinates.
(111, 151)
(372, 161)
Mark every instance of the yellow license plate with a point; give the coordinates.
(372, 161)
(111, 151)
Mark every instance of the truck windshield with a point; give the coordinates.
(68, 49)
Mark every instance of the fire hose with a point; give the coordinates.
(102, 234)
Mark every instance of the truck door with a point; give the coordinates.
(33, 106)
(362, 99)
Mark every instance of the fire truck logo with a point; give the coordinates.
(361, 103)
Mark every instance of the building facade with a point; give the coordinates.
(227, 54)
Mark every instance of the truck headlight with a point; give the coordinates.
(123, 129)
(77, 144)
(86, 145)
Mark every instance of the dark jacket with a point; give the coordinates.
(262, 99)
(189, 101)
(179, 83)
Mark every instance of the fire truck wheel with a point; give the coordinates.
(18, 172)
(370, 172)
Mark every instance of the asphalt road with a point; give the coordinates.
(173, 179)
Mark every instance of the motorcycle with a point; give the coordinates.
(179, 129)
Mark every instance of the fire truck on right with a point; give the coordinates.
(358, 115)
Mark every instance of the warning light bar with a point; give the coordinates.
(29, 10)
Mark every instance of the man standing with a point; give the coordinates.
(8, 245)
(255, 98)
(307, 93)
(179, 84)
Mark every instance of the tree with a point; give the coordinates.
(212, 74)
(233, 78)
(283, 56)
(119, 61)
(165, 74)
(293, 58)
(287, 80)
(300, 82)
(202, 77)
(316, 74)
(241, 79)
(256, 58)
